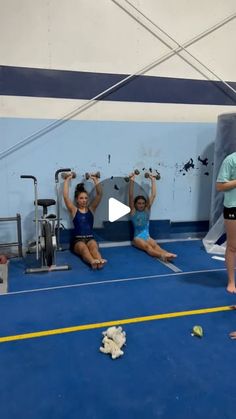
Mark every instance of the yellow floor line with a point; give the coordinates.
(113, 323)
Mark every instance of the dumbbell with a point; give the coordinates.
(65, 175)
(148, 175)
(88, 175)
(127, 178)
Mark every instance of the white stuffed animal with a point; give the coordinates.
(116, 334)
(110, 347)
(114, 339)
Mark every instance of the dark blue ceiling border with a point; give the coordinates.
(35, 82)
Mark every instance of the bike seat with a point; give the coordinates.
(45, 203)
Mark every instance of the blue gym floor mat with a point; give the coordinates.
(110, 301)
(165, 372)
(192, 256)
(123, 262)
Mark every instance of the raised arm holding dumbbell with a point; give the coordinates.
(136, 172)
(157, 176)
(92, 175)
(95, 178)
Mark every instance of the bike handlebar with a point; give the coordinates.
(29, 177)
(59, 171)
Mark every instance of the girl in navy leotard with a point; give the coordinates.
(140, 212)
(83, 242)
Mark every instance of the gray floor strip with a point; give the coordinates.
(170, 266)
(128, 243)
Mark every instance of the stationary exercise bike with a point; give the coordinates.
(59, 225)
(45, 231)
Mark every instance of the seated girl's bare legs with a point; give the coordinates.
(81, 249)
(93, 248)
(164, 255)
(230, 254)
(153, 249)
(141, 244)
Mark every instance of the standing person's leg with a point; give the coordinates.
(81, 249)
(230, 254)
(94, 250)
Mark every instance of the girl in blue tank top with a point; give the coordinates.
(83, 242)
(140, 214)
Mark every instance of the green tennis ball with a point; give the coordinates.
(197, 331)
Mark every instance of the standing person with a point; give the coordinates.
(3, 261)
(226, 182)
(140, 213)
(83, 242)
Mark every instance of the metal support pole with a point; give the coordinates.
(58, 204)
(19, 234)
(35, 211)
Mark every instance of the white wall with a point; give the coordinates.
(90, 35)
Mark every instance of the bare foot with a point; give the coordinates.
(94, 264)
(101, 263)
(168, 257)
(231, 288)
(232, 335)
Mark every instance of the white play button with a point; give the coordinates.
(116, 209)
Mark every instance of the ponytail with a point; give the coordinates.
(79, 188)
